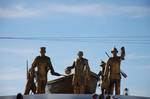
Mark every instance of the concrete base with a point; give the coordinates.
(69, 96)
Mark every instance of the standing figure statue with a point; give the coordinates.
(30, 82)
(113, 70)
(43, 64)
(104, 80)
(82, 74)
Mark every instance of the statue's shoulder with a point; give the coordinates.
(47, 57)
(110, 58)
(85, 59)
(114, 58)
(38, 57)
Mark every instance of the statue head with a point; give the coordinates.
(80, 54)
(114, 51)
(102, 64)
(43, 51)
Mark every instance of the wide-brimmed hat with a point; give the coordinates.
(114, 50)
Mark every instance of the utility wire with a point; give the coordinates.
(99, 39)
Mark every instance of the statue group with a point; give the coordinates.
(43, 65)
(110, 73)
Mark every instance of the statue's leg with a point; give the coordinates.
(111, 88)
(117, 87)
(33, 88)
(75, 89)
(102, 91)
(39, 87)
(43, 86)
(82, 89)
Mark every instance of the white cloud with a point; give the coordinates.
(18, 11)
(135, 11)
(98, 10)
(77, 9)
(74, 9)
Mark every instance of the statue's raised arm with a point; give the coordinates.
(122, 52)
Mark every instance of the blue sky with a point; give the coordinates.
(95, 27)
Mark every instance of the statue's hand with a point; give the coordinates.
(67, 70)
